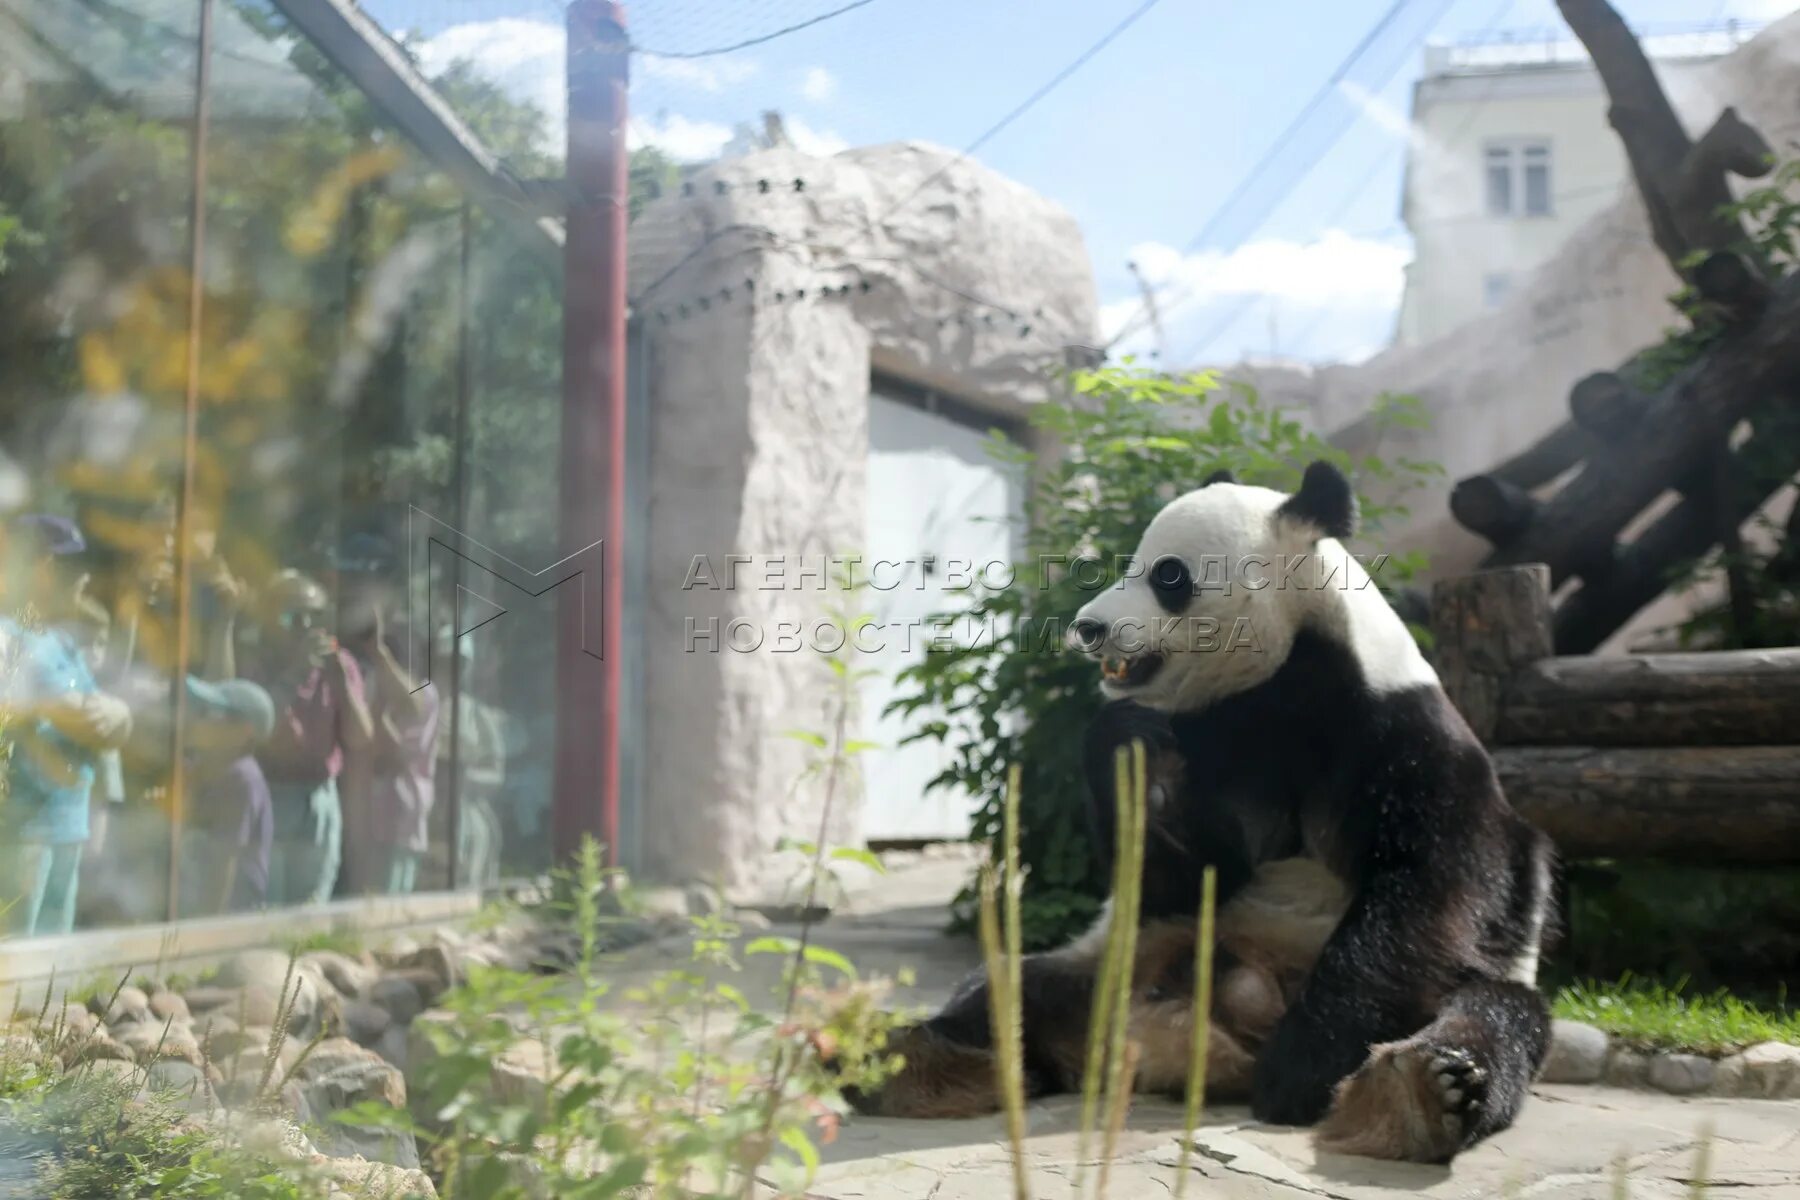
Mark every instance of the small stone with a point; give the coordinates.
(241, 1076)
(703, 901)
(73, 1019)
(435, 962)
(519, 1074)
(348, 1086)
(267, 968)
(207, 997)
(656, 902)
(185, 1081)
(346, 975)
(1626, 1069)
(252, 1005)
(751, 921)
(166, 1005)
(364, 1022)
(1765, 1071)
(397, 950)
(116, 1069)
(1577, 1053)
(150, 1043)
(1680, 1074)
(131, 1004)
(361, 1177)
(421, 1052)
(96, 1047)
(399, 996)
(20, 1049)
(335, 1054)
(213, 1025)
(393, 1046)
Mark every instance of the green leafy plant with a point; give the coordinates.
(1131, 440)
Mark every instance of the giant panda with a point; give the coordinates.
(1381, 907)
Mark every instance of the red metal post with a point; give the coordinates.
(593, 426)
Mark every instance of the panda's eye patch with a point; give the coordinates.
(1172, 583)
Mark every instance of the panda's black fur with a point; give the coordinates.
(1409, 1026)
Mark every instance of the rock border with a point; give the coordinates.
(1585, 1054)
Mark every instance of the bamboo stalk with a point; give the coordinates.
(1200, 1028)
(1117, 1104)
(1003, 1014)
(1101, 1007)
(1121, 1053)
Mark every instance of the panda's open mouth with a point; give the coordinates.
(1131, 672)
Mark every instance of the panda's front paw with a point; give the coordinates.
(1415, 1100)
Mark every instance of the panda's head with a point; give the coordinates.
(1221, 583)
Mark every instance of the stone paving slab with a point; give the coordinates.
(1566, 1143)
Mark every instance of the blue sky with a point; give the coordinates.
(1141, 146)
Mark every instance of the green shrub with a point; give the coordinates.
(1131, 440)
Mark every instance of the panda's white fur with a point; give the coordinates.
(1260, 576)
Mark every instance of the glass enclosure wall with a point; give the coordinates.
(217, 688)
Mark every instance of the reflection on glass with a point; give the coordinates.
(372, 344)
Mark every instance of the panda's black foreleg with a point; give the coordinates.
(949, 1058)
(1459, 1079)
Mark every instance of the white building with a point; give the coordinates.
(1511, 152)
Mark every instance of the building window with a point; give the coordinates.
(1518, 178)
(1495, 287)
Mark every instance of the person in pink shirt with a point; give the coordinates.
(322, 721)
(388, 806)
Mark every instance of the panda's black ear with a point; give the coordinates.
(1325, 500)
(1222, 475)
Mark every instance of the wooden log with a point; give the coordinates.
(1497, 510)
(1605, 405)
(1680, 426)
(1738, 804)
(1486, 627)
(1611, 593)
(1547, 457)
(1728, 281)
(1719, 698)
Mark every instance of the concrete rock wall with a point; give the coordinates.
(959, 280)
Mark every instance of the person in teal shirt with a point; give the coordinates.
(56, 727)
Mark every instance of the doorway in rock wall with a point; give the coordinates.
(939, 509)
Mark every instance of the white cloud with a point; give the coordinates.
(807, 140)
(526, 58)
(1761, 10)
(681, 138)
(523, 57)
(818, 85)
(1325, 299)
(700, 75)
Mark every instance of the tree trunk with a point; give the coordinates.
(1485, 627)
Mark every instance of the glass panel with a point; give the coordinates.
(1537, 187)
(507, 726)
(95, 105)
(1499, 181)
